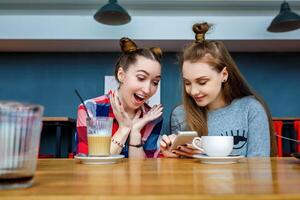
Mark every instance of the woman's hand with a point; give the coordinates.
(165, 145)
(121, 116)
(138, 123)
(186, 150)
(181, 150)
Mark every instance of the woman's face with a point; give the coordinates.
(204, 84)
(139, 82)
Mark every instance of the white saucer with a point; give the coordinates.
(218, 160)
(99, 160)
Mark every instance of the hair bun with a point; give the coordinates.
(157, 52)
(200, 29)
(127, 45)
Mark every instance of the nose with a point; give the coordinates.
(147, 87)
(194, 90)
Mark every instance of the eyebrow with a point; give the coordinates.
(147, 73)
(197, 79)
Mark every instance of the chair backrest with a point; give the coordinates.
(297, 129)
(278, 130)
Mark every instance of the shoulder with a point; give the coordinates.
(178, 110)
(99, 100)
(249, 102)
(252, 107)
(178, 115)
(89, 103)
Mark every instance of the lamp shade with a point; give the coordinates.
(112, 14)
(285, 21)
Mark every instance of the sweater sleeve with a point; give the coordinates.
(150, 146)
(177, 121)
(81, 131)
(259, 134)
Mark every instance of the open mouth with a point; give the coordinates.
(139, 98)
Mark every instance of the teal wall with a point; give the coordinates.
(50, 79)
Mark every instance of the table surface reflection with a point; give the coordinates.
(253, 178)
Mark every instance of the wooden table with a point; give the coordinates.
(257, 178)
(59, 123)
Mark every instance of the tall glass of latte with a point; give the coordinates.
(99, 132)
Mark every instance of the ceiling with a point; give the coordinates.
(147, 7)
(137, 8)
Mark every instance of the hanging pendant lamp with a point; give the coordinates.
(112, 14)
(285, 21)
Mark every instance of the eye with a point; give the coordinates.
(155, 83)
(202, 82)
(187, 83)
(141, 78)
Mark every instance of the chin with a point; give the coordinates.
(201, 104)
(134, 106)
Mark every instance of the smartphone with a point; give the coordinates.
(183, 137)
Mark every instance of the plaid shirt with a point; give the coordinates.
(100, 106)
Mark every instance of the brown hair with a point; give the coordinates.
(216, 55)
(130, 52)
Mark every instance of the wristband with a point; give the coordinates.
(137, 146)
(118, 143)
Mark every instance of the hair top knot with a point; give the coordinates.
(157, 52)
(199, 37)
(127, 45)
(200, 30)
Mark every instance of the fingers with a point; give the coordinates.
(172, 137)
(188, 150)
(111, 100)
(116, 105)
(157, 109)
(137, 114)
(122, 111)
(118, 101)
(182, 153)
(169, 154)
(114, 102)
(154, 113)
(165, 142)
(163, 145)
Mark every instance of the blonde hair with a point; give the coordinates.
(130, 52)
(216, 55)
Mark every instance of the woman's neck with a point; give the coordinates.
(218, 103)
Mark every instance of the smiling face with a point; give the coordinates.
(204, 84)
(139, 82)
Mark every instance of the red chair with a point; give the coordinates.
(297, 129)
(278, 130)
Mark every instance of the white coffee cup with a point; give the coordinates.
(215, 146)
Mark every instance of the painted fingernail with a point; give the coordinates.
(173, 152)
(178, 148)
(170, 144)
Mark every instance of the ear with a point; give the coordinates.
(121, 74)
(224, 74)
